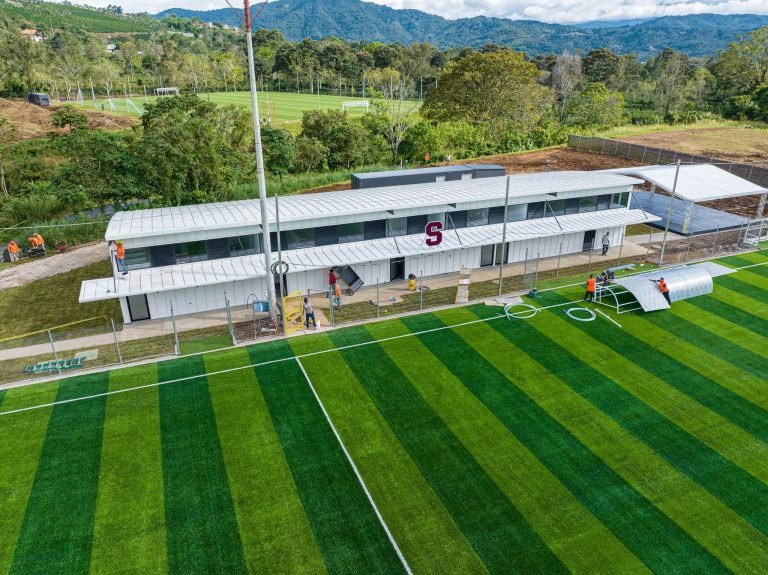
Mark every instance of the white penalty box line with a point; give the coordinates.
(355, 469)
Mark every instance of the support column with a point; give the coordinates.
(687, 218)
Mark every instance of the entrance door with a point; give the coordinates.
(396, 269)
(486, 255)
(589, 241)
(138, 308)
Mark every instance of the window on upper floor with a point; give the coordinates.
(137, 259)
(477, 217)
(436, 218)
(587, 204)
(297, 239)
(517, 212)
(190, 252)
(351, 232)
(244, 245)
(556, 207)
(535, 210)
(619, 200)
(397, 227)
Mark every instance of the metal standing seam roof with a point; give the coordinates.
(223, 215)
(695, 183)
(211, 272)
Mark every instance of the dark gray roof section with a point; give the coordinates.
(703, 220)
(427, 171)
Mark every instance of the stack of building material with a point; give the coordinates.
(462, 293)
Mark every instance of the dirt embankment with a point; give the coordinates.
(558, 159)
(33, 121)
(733, 144)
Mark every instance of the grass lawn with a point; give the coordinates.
(283, 107)
(488, 444)
(52, 302)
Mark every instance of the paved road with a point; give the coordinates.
(52, 265)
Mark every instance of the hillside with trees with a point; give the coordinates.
(426, 101)
(49, 15)
(355, 20)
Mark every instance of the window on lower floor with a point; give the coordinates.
(190, 252)
(297, 239)
(137, 259)
(244, 245)
(351, 232)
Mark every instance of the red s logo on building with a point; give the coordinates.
(434, 233)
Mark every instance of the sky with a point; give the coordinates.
(560, 11)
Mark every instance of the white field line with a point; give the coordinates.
(606, 316)
(357, 472)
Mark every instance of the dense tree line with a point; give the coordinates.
(427, 104)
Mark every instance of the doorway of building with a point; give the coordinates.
(138, 307)
(491, 255)
(396, 269)
(589, 240)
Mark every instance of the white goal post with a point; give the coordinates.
(345, 106)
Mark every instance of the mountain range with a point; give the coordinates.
(697, 35)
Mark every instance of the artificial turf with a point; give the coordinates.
(489, 444)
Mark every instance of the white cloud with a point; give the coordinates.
(562, 11)
(568, 11)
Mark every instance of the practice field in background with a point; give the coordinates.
(488, 445)
(283, 107)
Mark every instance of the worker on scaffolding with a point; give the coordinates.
(591, 285)
(664, 289)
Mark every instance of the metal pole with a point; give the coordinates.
(714, 241)
(559, 255)
(229, 319)
(117, 344)
(589, 263)
(421, 291)
(378, 301)
(688, 251)
(621, 247)
(53, 347)
(266, 241)
(175, 333)
(280, 263)
(503, 237)
(330, 304)
(669, 215)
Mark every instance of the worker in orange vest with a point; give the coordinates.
(13, 251)
(664, 289)
(120, 254)
(33, 242)
(40, 240)
(591, 283)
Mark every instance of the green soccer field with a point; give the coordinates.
(282, 107)
(459, 442)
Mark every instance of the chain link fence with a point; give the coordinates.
(755, 172)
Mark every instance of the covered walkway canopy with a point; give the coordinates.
(695, 183)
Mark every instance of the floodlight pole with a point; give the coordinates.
(266, 242)
(503, 237)
(669, 215)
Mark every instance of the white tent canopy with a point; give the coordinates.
(695, 183)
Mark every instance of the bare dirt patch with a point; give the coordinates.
(33, 121)
(734, 144)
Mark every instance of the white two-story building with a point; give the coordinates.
(188, 257)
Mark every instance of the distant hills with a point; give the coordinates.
(49, 15)
(697, 35)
